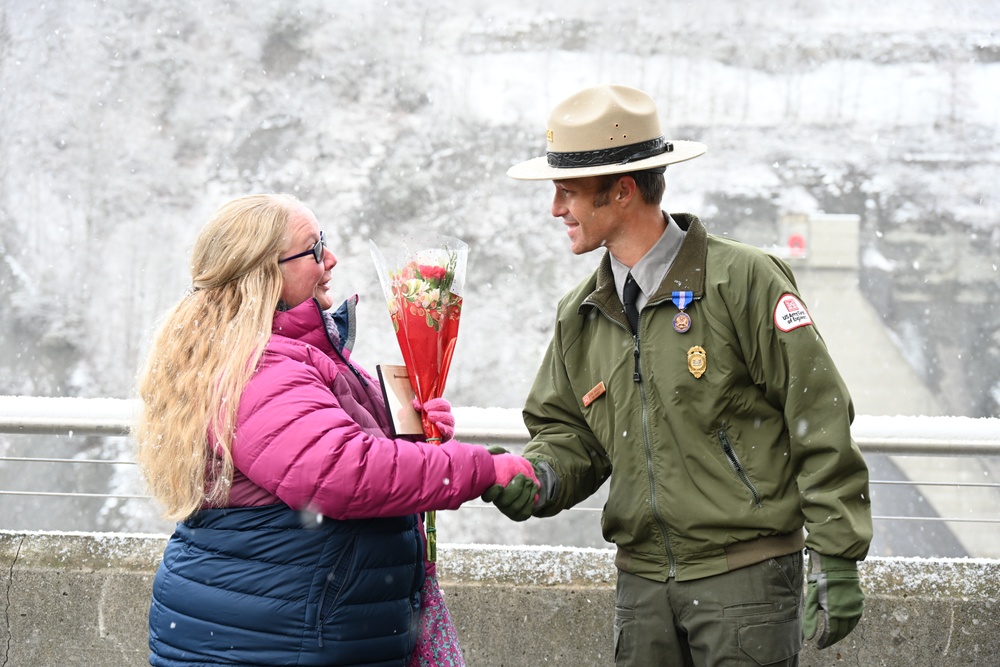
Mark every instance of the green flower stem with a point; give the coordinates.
(431, 528)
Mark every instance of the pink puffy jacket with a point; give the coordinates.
(312, 433)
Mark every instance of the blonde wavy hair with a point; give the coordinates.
(205, 351)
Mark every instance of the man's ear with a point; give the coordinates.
(625, 188)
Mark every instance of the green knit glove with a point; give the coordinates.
(517, 499)
(834, 599)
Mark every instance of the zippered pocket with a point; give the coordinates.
(734, 461)
(335, 581)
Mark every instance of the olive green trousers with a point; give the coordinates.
(748, 617)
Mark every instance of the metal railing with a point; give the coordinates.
(901, 435)
(957, 439)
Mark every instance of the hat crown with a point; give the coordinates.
(603, 130)
(601, 118)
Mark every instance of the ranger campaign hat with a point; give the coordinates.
(604, 130)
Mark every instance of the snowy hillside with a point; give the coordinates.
(123, 124)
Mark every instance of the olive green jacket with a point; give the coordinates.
(707, 473)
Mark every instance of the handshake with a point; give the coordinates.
(517, 487)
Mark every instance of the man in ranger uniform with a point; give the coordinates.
(688, 371)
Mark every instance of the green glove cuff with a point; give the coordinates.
(834, 599)
(819, 562)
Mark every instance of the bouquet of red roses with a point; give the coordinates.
(423, 288)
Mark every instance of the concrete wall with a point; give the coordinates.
(81, 599)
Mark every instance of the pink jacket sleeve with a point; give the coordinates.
(295, 441)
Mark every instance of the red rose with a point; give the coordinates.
(432, 272)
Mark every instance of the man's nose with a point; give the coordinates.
(558, 208)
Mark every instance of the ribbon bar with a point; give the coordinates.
(682, 299)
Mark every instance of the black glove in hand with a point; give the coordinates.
(834, 599)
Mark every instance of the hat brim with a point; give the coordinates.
(538, 169)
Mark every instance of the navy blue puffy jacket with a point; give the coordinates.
(255, 586)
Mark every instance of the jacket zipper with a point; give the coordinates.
(636, 373)
(637, 378)
(357, 373)
(734, 461)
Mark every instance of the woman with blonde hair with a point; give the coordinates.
(299, 538)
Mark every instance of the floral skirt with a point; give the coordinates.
(437, 645)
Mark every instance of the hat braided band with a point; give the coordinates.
(623, 155)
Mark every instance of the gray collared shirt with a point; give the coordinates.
(650, 270)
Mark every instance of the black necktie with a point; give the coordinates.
(630, 293)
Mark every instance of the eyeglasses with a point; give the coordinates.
(316, 251)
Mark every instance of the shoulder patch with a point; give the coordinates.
(790, 313)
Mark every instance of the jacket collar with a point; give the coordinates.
(307, 322)
(686, 273)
